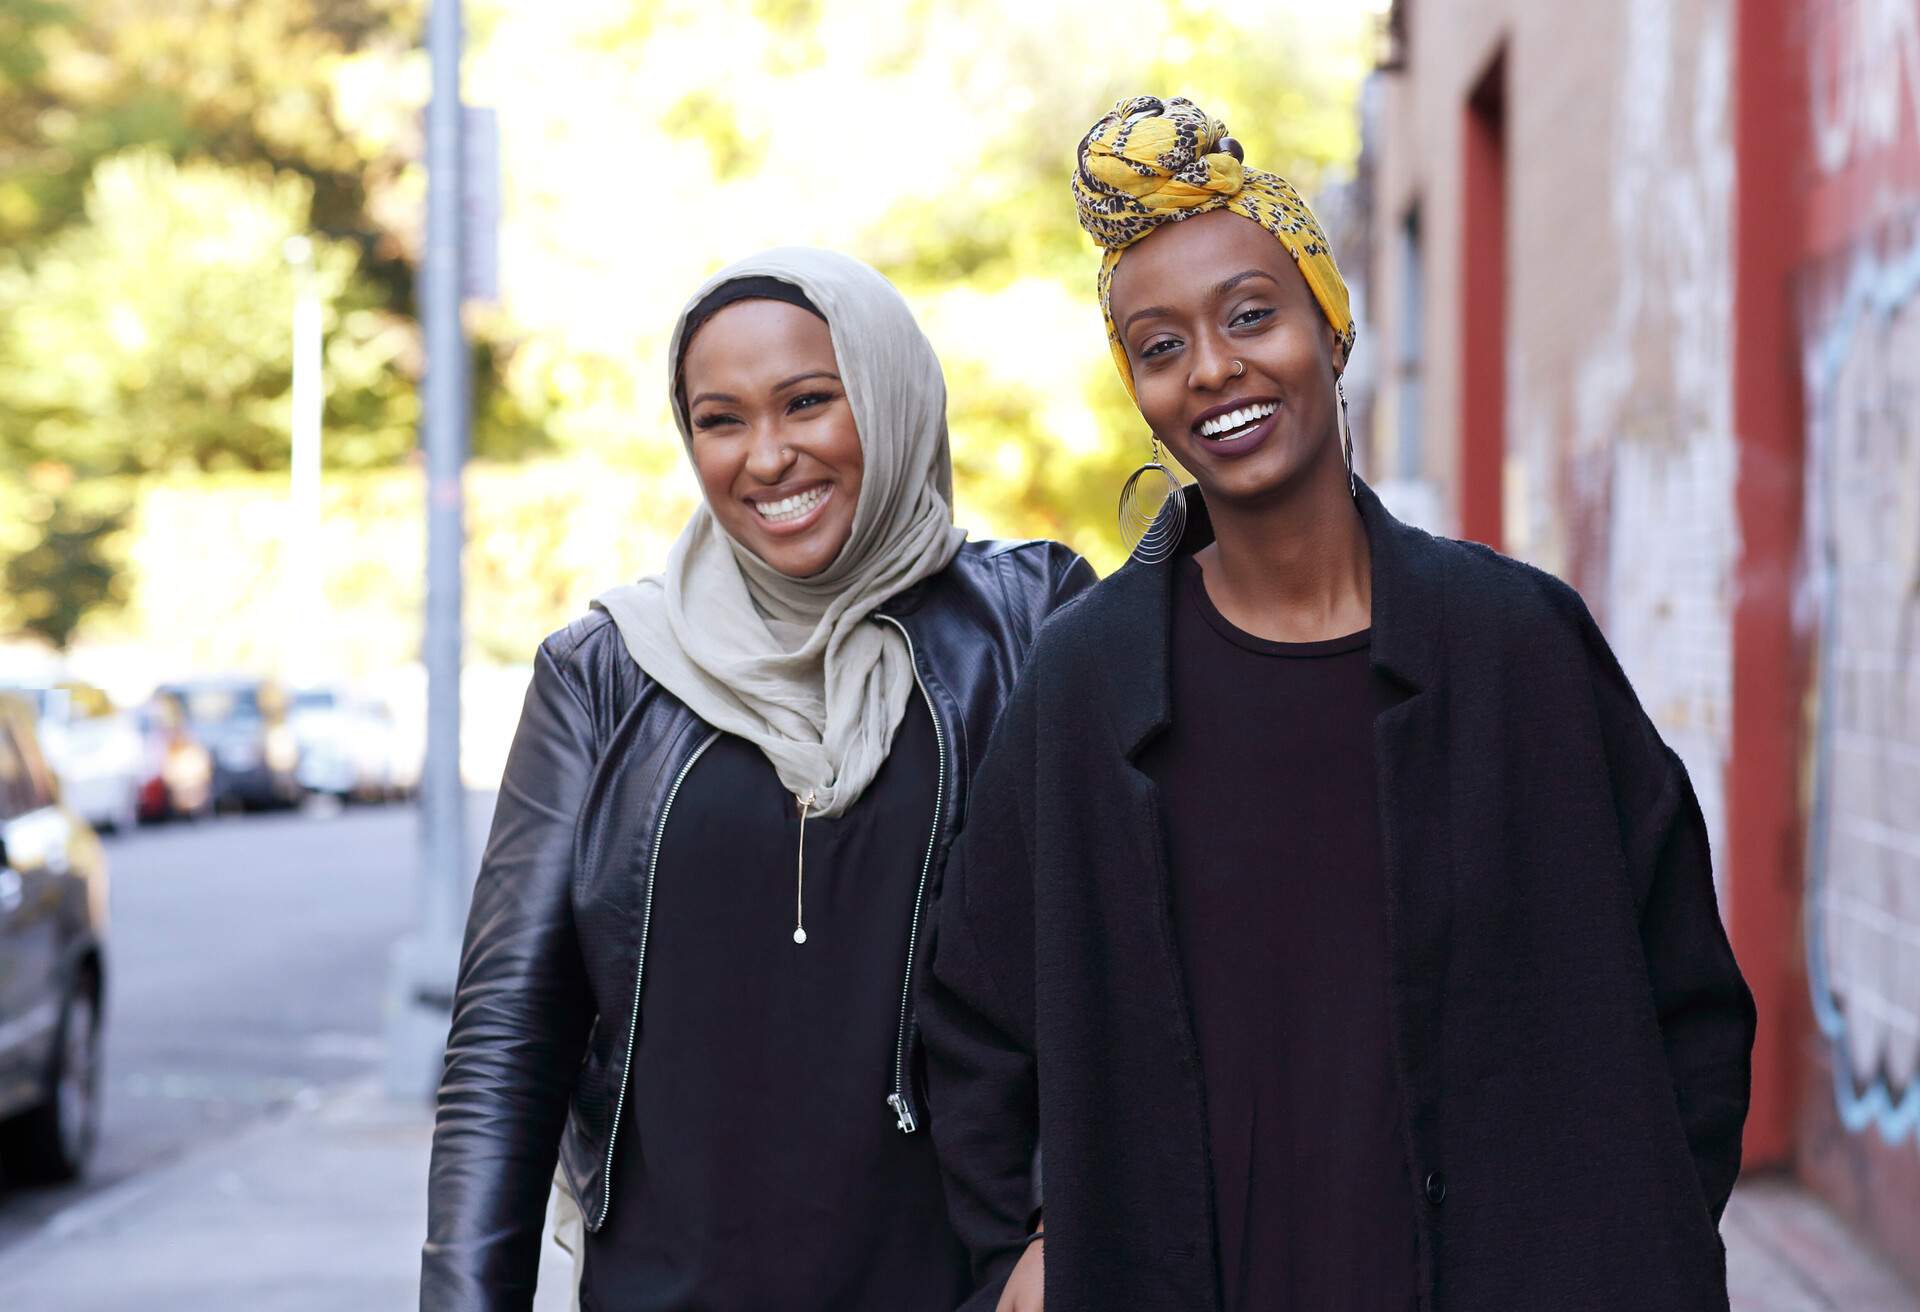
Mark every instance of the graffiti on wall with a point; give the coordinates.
(1652, 406)
(1865, 73)
(1862, 370)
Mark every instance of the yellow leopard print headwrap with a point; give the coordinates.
(1151, 161)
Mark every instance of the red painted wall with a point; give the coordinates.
(1483, 306)
(1765, 838)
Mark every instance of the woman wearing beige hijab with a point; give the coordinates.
(692, 955)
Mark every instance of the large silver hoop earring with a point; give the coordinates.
(1346, 439)
(1153, 511)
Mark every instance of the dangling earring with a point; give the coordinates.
(1346, 439)
(1153, 511)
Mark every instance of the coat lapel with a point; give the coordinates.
(1407, 612)
(1410, 755)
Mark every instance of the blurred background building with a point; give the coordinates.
(1644, 289)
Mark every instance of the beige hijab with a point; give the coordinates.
(799, 667)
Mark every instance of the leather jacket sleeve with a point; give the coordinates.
(1075, 577)
(521, 1015)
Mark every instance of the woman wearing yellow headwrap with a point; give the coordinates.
(1328, 907)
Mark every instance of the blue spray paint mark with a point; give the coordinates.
(1875, 292)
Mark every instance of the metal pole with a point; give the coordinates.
(424, 964)
(309, 399)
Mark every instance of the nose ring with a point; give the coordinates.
(1238, 368)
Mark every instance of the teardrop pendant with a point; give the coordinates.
(800, 874)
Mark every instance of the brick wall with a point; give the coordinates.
(1859, 292)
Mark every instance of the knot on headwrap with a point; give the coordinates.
(1149, 162)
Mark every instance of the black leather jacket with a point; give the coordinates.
(555, 955)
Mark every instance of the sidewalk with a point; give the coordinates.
(320, 1210)
(1786, 1251)
(323, 1209)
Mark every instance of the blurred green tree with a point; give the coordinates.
(325, 92)
(67, 566)
(244, 84)
(157, 333)
(648, 144)
(154, 157)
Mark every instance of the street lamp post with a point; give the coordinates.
(421, 979)
(303, 530)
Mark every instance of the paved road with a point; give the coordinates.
(247, 970)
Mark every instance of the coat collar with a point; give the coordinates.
(1407, 616)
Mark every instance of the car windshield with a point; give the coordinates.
(219, 705)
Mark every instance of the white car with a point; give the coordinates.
(346, 745)
(95, 749)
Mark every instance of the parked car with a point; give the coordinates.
(94, 748)
(346, 745)
(177, 781)
(53, 923)
(242, 722)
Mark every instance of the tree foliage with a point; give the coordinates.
(310, 101)
(240, 82)
(157, 333)
(155, 155)
(65, 562)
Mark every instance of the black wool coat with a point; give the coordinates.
(1571, 1031)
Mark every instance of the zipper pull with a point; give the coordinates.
(906, 1124)
(800, 879)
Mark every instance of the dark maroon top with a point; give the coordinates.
(1279, 899)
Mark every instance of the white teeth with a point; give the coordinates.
(790, 508)
(1238, 419)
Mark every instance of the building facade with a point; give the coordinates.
(1643, 291)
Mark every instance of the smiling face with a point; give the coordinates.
(774, 442)
(1190, 300)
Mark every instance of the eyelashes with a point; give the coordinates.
(805, 402)
(1248, 318)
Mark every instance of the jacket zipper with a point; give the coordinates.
(897, 1100)
(640, 972)
(905, 1120)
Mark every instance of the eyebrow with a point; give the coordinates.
(785, 383)
(727, 398)
(1219, 289)
(1222, 288)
